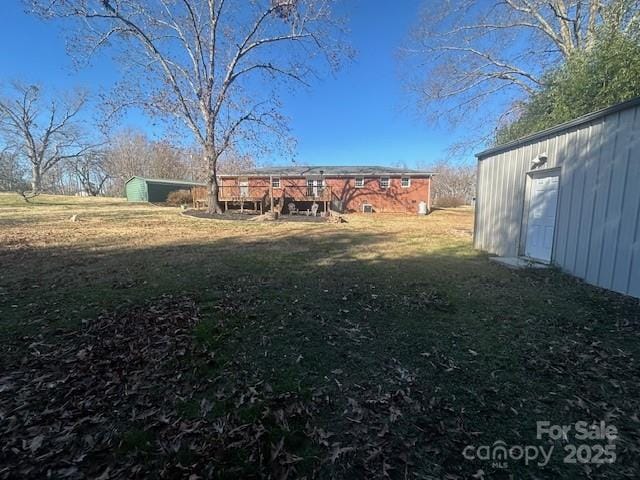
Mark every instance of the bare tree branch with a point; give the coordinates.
(463, 50)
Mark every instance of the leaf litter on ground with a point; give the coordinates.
(105, 402)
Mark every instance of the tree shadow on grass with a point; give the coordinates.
(418, 352)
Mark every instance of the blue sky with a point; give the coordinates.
(361, 115)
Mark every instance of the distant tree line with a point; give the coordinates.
(45, 147)
(453, 185)
(603, 75)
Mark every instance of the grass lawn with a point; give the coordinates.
(137, 342)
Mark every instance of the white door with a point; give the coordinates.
(542, 217)
(312, 187)
(244, 187)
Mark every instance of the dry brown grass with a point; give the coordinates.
(117, 224)
(105, 225)
(114, 243)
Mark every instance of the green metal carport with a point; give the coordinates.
(140, 189)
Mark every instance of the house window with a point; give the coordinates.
(384, 182)
(359, 182)
(275, 182)
(405, 182)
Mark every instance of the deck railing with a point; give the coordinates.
(308, 193)
(252, 193)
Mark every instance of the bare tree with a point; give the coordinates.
(453, 184)
(211, 64)
(168, 161)
(127, 155)
(234, 162)
(132, 152)
(44, 133)
(231, 162)
(90, 170)
(12, 171)
(469, 52)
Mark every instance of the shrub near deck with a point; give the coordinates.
(383, 346)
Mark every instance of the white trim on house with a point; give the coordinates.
(383, 181)
(361, 182)
(408, 179)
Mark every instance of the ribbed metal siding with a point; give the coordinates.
(136, 190)
(597, 235)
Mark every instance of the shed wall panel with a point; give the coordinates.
(634, 267)
(613, 216)
(136, 190)
(630, 206)
(597, 223)
(577, 180)
(565, 196)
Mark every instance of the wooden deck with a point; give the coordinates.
(259, 197)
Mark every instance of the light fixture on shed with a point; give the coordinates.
(540, 160)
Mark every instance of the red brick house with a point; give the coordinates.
(343, 189)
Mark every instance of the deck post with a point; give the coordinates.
(271, 192)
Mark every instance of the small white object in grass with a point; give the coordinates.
(74, 218)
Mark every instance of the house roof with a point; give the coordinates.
(327, 171)
(167, 181)
(559, 128)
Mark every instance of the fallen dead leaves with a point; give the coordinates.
(66, 403)
(105, 403)
(102, 403)
(109, 402)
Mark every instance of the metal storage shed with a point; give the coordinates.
(568, 196)
(140, 189)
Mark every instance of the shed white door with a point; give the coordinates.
(542, 217)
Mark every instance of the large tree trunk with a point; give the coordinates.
(36, 181)
(212, 161)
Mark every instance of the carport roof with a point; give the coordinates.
(166, 181)
(327, 171)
